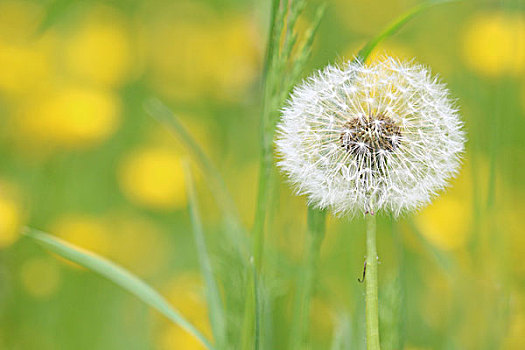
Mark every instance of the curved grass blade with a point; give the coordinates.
(117, 275)
(164, 115)
(215, 305)
(395, 26)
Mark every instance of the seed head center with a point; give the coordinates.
(374, 134)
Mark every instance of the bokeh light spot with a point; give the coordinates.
(153, 178)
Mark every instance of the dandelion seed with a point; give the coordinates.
(363, 138)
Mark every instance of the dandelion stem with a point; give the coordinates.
(316, 229)
(372, 319)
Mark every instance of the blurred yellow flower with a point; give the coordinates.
(186, 293)
(194, 55)
(89, 232)
(25, 68)
(153, 177)
(446, 222)
(40, 277)
(173, 337)
(494, 43)
(25, 59)
(72, 117)
(100, 49)
(10, 216)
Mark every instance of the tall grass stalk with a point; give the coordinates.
(215, 305)
(284, 63)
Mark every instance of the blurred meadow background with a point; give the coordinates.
(81, 159)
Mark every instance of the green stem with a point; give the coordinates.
(372, 319)
(316, 229)
(252, 311)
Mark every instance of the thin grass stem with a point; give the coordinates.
(216, 308)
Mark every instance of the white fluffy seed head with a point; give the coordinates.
(364, 138)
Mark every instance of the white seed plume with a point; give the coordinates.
(363, 138)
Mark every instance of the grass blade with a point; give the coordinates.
(215, 305)
(278, 76)
(164, 115)
(395, 26)
(117, 275)
(306, 49)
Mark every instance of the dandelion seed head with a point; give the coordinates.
(363, 138)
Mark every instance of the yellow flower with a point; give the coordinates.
(10, 218)
(24, 68)
(25, 59)
(85, 231)
(173, 337)
(72, 117)
(494, 43)
(100, 49)
(153, 177)
(446, 222)
(40, 277)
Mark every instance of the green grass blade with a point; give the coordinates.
(395, 26)
(165, 116)
(271, 41)
(305, 50)
(216, 308)
(117, 275)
